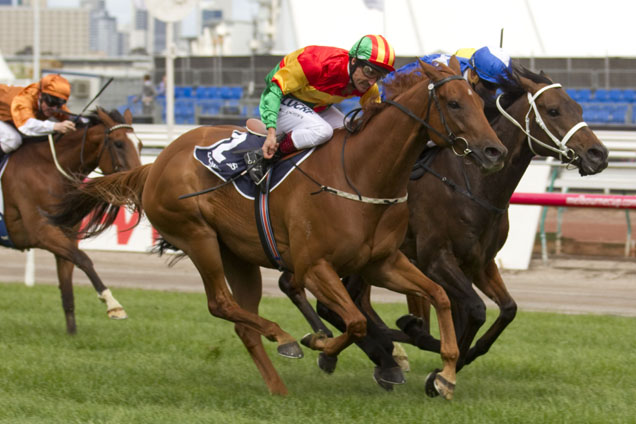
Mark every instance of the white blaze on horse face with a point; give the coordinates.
(470, 92)
(135, 140)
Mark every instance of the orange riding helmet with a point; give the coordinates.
(56, 85)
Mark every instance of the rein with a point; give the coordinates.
(450, 140)
(106, 142)
(561, 145)
(467, 192)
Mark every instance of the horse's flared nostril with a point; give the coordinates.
(495, 154)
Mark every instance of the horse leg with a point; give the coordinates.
(245, 281)
(296, 294)
(64, 248)
(377, 344)
(206, 257)
(398, 274)
(322, 280)
(492, 285)
(64, 277)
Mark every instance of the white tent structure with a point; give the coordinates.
(6, 76)
(532, 28)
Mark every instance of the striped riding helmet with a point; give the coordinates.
(376, 51)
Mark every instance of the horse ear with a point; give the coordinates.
(543, 74)
(104, 117)
(453, 63)
(431, 72)
(128, 116)
(528, 85)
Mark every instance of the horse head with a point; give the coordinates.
(554, 124)
(460, 113)
(120, 147)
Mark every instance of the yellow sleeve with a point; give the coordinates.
(372, 95)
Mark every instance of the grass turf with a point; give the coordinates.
(171, 362)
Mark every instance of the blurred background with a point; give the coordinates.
(223, 48)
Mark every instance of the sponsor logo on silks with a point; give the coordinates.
(296, 104)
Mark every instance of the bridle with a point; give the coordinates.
(566, 154)
(451, 139)
(108, 144)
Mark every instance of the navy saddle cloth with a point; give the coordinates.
(225, 160)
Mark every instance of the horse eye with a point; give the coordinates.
(453, 104)
(119, 144)
(553, 112)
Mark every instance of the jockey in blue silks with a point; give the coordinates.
(485, 69)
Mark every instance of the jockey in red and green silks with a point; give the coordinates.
(295, 105)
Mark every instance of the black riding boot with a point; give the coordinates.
(256, 166)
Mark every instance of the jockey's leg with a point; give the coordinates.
(10, 138)
(298, 127)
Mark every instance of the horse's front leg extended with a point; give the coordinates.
(323, 281)
(492, 285)
(400, 275)
(297, 295)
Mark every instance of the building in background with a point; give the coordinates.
(63, 31)
(104, 37)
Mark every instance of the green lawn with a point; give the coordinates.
(171, 362)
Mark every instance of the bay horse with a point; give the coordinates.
(458, 221)
(320, 237)
(32, 183)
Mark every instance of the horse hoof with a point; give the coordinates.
(314, 341)
(437, 385)
(117, 313)
(400, 357)
(376, 377)
(290, 350)
(431, 390)
(327, 363)
(391, 375)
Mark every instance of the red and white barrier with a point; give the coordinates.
(581, 200)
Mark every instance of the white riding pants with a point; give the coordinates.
(10, 138)
(309, 129)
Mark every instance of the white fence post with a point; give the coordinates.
(29, 269)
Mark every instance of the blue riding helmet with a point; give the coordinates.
(492, 64)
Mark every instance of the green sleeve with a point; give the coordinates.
(270, 101)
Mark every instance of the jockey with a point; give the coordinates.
(295, 105)
(38, 109)
(485, 69)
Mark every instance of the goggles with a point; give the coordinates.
(52, 100)
(373, 73)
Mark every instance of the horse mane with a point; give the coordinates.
(398, 84)
(94, 119)
(512, 90)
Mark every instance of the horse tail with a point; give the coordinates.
(98, 202)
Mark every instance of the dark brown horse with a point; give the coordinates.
(32, 183)
(319, 237)
(458, 222)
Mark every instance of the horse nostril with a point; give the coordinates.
(494, 153)
(596, 155)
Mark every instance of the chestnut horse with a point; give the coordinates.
(458, 222)
(32, 183)
(321, 237)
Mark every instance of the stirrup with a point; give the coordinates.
(254, 162)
